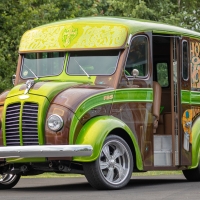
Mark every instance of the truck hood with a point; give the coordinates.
(47, 89)
(70, 91)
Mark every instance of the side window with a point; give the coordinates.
(138, 56)
(162, 74)
(185, 59)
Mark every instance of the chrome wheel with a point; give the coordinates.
(7, 178)
(114, 162)
(8, 181)
(113, 168)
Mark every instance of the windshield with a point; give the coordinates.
(42, 64)
(92, 62)
(86, 63)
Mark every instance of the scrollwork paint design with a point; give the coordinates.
(64, 36)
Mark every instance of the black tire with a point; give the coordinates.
(113, 168)
(192, 174)
(8, 181)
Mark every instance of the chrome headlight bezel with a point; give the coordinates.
(55, 122)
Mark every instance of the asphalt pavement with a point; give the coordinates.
(167, 187)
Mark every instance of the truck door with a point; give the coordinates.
(135, 94)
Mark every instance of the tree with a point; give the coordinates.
(17, 16)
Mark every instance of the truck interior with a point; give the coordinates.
(165, 134)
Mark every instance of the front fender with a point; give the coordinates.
(96, 130)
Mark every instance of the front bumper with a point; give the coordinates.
(45, 151)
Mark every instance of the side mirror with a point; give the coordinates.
(13, 79)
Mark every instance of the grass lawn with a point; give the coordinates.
(150, 173)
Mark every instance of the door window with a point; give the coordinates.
(185, 60)
(138, 56)
(162, 74)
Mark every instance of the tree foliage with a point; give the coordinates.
(17, 16)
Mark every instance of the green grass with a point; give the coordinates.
(150, 173)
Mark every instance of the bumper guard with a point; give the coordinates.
(45, 151)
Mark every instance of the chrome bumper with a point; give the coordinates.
(45, 151)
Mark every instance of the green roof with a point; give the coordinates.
(93, 33)
(134, 25)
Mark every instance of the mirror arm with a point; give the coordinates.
(13, 79)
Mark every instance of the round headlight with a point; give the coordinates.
(55, 122)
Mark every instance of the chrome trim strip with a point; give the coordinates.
(45, 151)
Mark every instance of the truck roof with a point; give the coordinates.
(93, 33)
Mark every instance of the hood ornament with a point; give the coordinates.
(29, 84)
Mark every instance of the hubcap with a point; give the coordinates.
(114, 162)
(7, 178)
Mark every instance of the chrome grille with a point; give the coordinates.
(29, 124)
(12, 125)
(29, 133)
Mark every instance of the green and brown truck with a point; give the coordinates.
(104, 97)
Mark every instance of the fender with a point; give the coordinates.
(96, 130)
(195, 143)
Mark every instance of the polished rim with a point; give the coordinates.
(7, 179)
(114, 162)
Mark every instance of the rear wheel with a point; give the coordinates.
(113, 168)
(7, 181)
(192, 174)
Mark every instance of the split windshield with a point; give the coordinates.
(84, 63)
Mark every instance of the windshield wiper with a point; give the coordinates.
(82, 69)
(31, 72)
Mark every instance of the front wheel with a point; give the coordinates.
(192, 174)
(113, 168)
(8, 181)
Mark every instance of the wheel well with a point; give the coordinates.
(123, 134)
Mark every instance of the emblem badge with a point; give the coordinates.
(23, 96)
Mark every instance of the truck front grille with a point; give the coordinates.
(21, 129)
(12, 124)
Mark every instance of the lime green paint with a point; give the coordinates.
(85, 106)
(43, 107)
(195, 97)
(72, 34)
(133, 95)
(15, 91)
(190, 97)
(120, 95)
(185, 96)
(195, 143)
(93, 101)
(96, 130)
(93, 32)
(49, 89)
